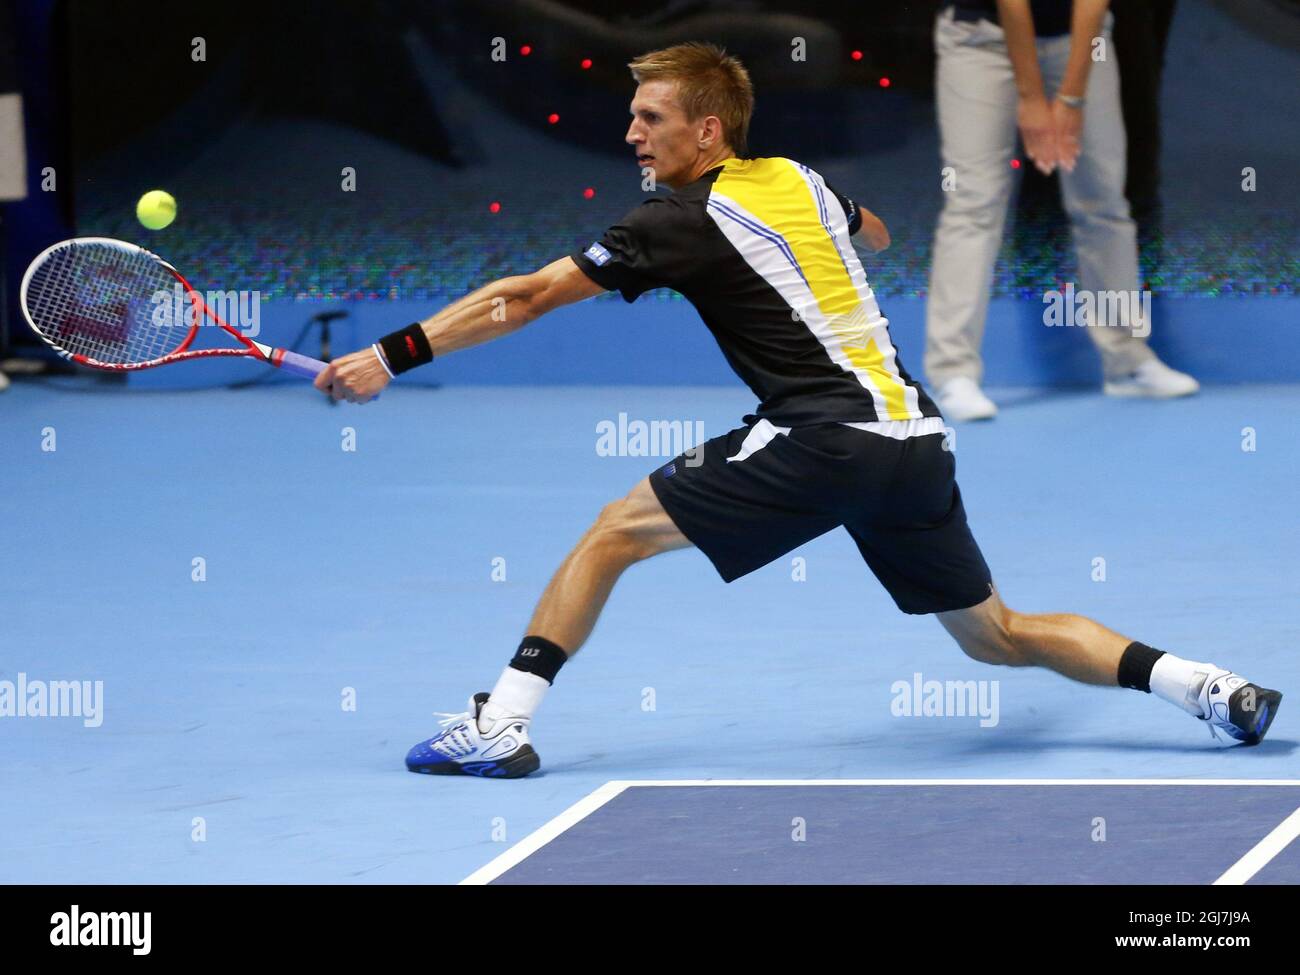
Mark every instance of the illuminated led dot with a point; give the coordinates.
(553, 118)
(588, 193)
(586, 63)
(526, 50)
(494, 207)
(1015, 164)
(856, 55)
(884, 82)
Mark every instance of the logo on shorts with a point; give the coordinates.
(670, 470)
(597, 255)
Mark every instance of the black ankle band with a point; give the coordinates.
(1135, 666)
(537, 655)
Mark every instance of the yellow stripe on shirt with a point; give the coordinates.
(777, 194)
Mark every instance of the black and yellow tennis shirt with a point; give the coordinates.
(761, 248)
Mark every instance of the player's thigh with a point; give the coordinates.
(640, 519)
(916, 538)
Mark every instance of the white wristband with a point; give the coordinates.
(379, 354)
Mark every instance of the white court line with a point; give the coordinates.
(539, 837)
(1262, 852)
(825, 782)
(584, 807)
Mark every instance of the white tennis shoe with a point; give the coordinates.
(1232, 704)
(500, 751)
(961, 399)
(1153, 380)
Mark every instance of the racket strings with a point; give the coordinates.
(111, 304)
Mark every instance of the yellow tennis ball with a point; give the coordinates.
(156, 209)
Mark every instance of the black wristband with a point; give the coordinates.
(406, 349)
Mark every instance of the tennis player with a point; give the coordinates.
(763, 248)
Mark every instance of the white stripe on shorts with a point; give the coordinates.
(902, 429)
(764, 431)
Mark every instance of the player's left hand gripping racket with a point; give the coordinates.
(108, 304)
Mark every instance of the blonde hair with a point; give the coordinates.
(709, 82)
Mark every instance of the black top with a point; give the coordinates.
(761, 248)
(1051, 17)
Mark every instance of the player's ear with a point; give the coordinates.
(712, 132)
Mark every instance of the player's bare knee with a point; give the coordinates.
(1011, 640)
(1015, 625)
(614, 533)
(993, 641)
(611, 524)
(979, 647)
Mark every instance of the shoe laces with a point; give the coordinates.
(448, 718)
(454, 740)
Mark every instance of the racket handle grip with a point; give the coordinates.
(301, 365)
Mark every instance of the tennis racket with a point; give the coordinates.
(110, 305)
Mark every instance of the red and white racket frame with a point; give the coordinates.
(291, 362)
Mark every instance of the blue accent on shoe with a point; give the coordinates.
(424, 753)
(418, 755)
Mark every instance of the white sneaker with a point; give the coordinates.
(4, 382)
(1153, 379)
(1235, 706)
(500, 751)
(961, 398)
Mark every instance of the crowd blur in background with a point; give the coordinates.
(879, 97)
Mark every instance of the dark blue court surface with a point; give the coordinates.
(916, 833)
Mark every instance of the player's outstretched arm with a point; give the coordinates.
(873, 234)
(507, 305)
(497, 309)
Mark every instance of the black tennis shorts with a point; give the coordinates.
(898, 499)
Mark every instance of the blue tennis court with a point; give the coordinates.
(568, 243)
(253, 724)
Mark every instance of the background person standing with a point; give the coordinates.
(997, 62)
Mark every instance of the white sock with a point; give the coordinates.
(1179, 681)
(517, 694)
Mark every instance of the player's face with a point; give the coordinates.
(661, 135)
